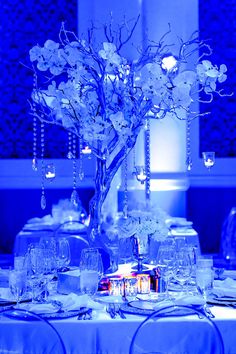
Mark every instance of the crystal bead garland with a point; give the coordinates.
(35, 131)
(189, 161)
(35, 160)
(42, 143)
(125, 201)
(74, 195)
(69, 154)
(81, 157)
(147, 163)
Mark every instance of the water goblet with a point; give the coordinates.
(17, 284)
(204, 281)
(63, 255)
(182, 269)
(91, 270)
(165, 262)
(35, 268)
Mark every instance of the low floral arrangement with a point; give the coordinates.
(144, 223)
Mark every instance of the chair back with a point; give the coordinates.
(177, 329)
(25, 332)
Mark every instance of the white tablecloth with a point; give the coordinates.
(104, 335)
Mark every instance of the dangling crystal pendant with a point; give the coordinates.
(74, 198)
(43, 201)
(81, 175)
(70, 155)
(189, 163)
(35, 164)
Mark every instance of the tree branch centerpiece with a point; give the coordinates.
(106, 98)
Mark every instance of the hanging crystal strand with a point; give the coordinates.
(125, 201)
(74, 195)
(147, 163)
(189, 161)
(35, 119)
(35, 160)
(70, 154)
(81, 157)
(134, 159)
(42, 142)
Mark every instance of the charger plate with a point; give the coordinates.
(109, 299)
(145, 308)
(48, 316)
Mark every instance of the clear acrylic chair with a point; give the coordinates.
(25, 332)
(177, 329)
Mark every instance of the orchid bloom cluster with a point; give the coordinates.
(105, 97)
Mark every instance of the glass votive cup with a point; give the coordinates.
(116, 286)
(130, 285)
(143, 283)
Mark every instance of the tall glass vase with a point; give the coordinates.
(141, 245)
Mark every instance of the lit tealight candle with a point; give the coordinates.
(130, 285)
(86, 150)
(143, 283)
(116, 286)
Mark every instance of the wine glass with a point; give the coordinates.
(17, 284)
(182, 268)
(91, 270)
(63, 255)
(165, 262)
(36, 266)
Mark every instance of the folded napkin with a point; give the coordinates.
(185, 300)
(226, 287)
(5, 294)
(71, 302)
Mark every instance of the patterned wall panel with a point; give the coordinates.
(217, 23)
(23, 24)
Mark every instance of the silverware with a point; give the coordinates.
(208, 312)
(119, 311)
(114, 310)
(85, 315)
(111, 310)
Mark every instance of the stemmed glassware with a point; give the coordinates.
(182, 268)
(204, 276)
(36, 268)
(63, 255)
(17, 284)
(165, 262)
(91, 270)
